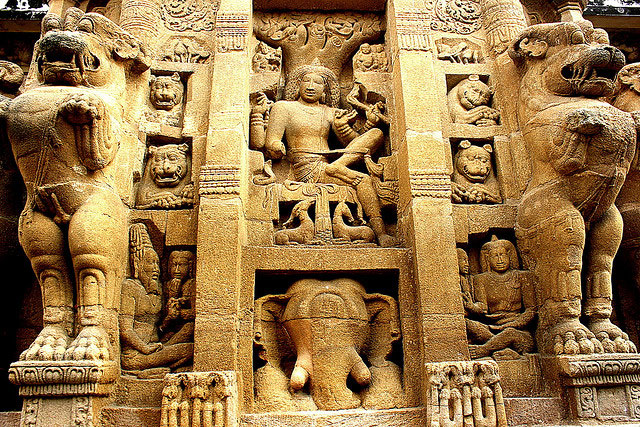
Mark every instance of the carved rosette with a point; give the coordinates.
(463, 389)
(454, 16)
(199, 399)
(189, 15)
(64, 378)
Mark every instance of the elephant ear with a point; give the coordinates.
(384, 327)
(267, 327)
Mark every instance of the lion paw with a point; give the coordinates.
(82, 108)
(612, 338)
(572, 337)
(50, 344)
(92, 343)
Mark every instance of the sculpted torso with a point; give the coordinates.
(145, 309)
(305, 127)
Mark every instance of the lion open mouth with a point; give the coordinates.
(594, 74)
(64, 59)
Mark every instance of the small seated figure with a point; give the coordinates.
(304, 120)
(473, 180)
(466, 287)
(370, 58)
(469, 103)
(180, 297)
(504, 301)
(140, 311)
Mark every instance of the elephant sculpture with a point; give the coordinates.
(321, 333)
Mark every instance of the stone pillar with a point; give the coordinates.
(63, 393)
(425, 210)
(141, 18)
(221, 220)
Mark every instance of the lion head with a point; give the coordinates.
(569, 59)
(473, 92)
(473, 162)
(166, 91)
(86, 49)
(168, 164)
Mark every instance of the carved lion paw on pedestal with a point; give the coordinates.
(612, 338)
(572, 337)
(50, 344)
(92, 343)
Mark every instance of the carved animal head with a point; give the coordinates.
(166, 91)
(569, 59)
(473, 162)
(472, 92)
(627, 96)
(87, 49)
(168, 164)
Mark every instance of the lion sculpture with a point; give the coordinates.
(65, 131)
(567, 225)
(166, 183)
(473, 180)
(469, 103)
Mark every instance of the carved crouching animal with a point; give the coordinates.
(359, 233)
(304, 232)
(65, 131)
(581, 150)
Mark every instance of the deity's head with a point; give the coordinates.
(144, 260)
(181, 264)
(313, 83)
(463, 261)
(365, 48)
(498, 255)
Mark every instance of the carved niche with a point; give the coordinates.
(166, 182)
(473, 178)
(319, 334)
(370, 58)
(166, 93)
(469, 103)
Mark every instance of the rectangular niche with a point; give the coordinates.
(474, 179)
(167, 181)
(332, 337)
(470, 105)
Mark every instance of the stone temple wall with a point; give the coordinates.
(275, 213)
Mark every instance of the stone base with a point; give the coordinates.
(603, 387)
(346, 418)
(63, 393)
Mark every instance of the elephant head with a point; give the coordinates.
(331, 326)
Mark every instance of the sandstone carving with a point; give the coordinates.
(458, 51)
(469, 103)
(166, 182)
(180, 296)
(370, 58)
(347, 232)
(336, 330)
(581, 148)
(266, 58)
(473, 178)
(140, 314)
(65, 131)
(503, 302)
(185, 51)
(306, 117)
(11, 76)
(303, 232)
(165, 96)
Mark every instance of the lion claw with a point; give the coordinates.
(50, 344)
(92, 343)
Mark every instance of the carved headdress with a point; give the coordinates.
(139, 243)
(331, 95)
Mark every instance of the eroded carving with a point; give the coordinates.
(140, 314)
(302, 227)
(185, 51)
(469, 103)
(581, 149)
(503, 304)
(306, 116)
(165, 96)
(370, 58)
(459, 51)
(266, 58)
(166, 182)
(454, 16)
(180, 296)
(193, 15)
(334, 327)
(65, 131)
(11, 76)
(473, 178)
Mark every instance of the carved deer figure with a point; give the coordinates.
(341, 230)
(304, 232)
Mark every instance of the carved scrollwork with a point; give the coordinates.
(455, 16)
(193, 15)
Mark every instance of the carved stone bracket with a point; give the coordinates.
(471, 391)
(219, 179)
(430, 183)
(198, 399)
(603, 387)
(64, 378)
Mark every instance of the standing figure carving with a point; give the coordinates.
(65, 131)
(504, 303)
(142, 347)
(568, 227)
(305, 120)
(180, 296)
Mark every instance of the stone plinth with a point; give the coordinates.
(63, 393)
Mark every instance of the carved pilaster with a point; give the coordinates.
(219, 179)
(430, 183)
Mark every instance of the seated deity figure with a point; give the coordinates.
(141, 309)
(504, 300)
(305, 120)
(180, 296)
